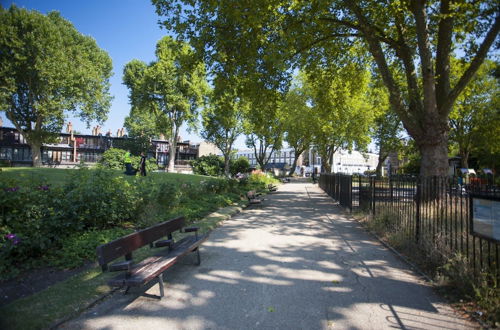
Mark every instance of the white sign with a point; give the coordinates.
(486, 218)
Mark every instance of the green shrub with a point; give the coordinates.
(260, 180)
(240, 165)
(79, 247)
(100, 199)
(113, 159)
(211, 165)
(66, 221)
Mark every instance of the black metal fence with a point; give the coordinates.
(433, 213)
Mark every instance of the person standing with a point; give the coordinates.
(142, 164)
(127, 159)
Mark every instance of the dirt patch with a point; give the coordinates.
(34, 281)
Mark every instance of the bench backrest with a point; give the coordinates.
(124, 246)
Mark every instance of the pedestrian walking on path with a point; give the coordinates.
(297, 262)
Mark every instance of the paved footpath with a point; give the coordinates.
(293, 263)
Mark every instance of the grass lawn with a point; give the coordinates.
(57, 176)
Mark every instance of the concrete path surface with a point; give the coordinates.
(293, 263)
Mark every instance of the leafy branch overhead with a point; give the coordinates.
(411, 44)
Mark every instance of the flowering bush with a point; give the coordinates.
(260, 180)
(40, 221)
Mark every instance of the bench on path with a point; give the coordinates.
(252, 197)
(272, 187)
(157, 236)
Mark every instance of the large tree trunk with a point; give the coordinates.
(36, 154)
(434, 154)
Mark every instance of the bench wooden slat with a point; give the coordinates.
(127, 244)
(153, 266)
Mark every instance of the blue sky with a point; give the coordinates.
(126, 29)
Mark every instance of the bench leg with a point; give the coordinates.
(160, 283)
(126, 290)
(198, 256)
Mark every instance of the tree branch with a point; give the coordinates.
(417, 7)
(472, 69)
(378, 54)
(445, 31)
(320, 40)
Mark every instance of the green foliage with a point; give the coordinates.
(340, 97)
(240, 165)
(63, 223)
(80, 247)
(99, 199)
(113, 159)
(298, 116)
(141, 128)
(487, 293)
(260, 180)
(170, 89)
(409, 43)
(222, 120)
(211, 165)
(475, 119)
(49, 68)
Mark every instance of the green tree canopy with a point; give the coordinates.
(298, 117)
(170, 88)
(48, 69)
(412, 39)
(476, 112)
(263, 122)
(222, 120)
(343, 115)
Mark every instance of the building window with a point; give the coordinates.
(6, 153)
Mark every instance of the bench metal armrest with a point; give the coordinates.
(165, 242)
(191, 229)
(119, 266)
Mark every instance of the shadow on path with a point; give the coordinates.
(293, 263)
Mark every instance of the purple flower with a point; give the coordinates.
(13, 238)
(43, 187)
(10, 236)
(11, 189)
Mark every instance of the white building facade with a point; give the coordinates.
(343, 161)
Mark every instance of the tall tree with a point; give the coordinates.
(48, 69)
(343, 117)
(298, 115)
(417, 37)
(476, 109)
(222, 120)
(172, 88)
(263, 122)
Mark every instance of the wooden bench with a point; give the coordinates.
(252, 197)
(157, 236)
